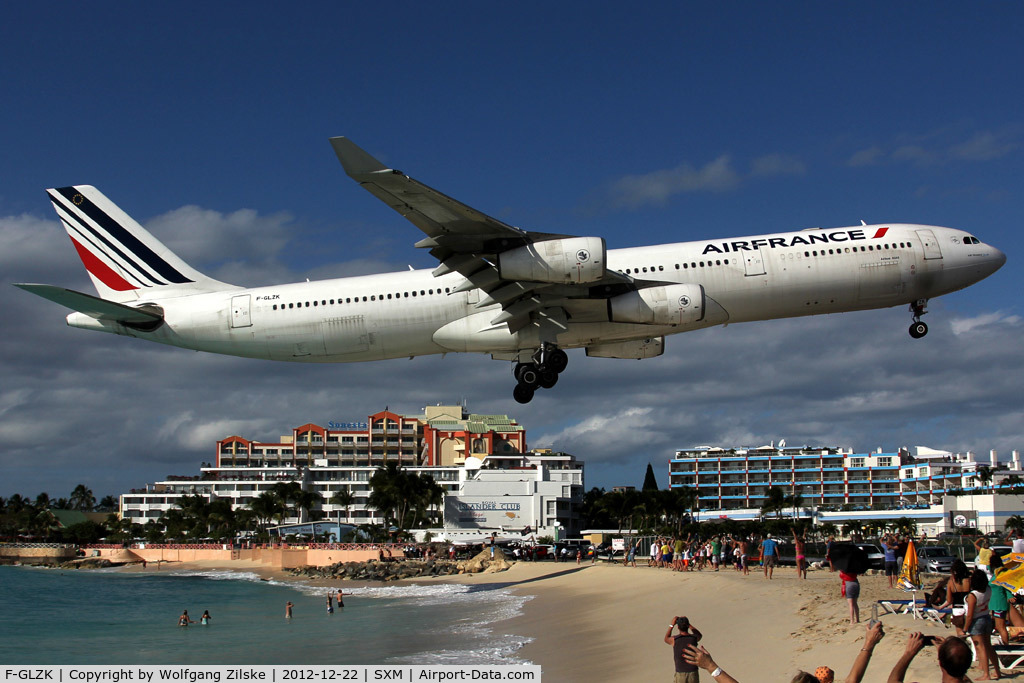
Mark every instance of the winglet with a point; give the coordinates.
(354, 159)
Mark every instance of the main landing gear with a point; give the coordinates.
(918, 329)
(548, 362)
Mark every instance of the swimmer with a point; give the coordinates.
(205, 619)
(288, 610)
(184, 620)
(330, 604)
(341, 603)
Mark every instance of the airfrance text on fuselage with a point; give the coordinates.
(777, 242)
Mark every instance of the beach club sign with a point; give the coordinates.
(478, 512)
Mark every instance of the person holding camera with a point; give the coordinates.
(686, 672)
(954, 658)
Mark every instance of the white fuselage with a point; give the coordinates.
(412, 313)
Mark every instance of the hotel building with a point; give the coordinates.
(465, 453)
(834, 483)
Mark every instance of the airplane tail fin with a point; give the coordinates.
(124, 261)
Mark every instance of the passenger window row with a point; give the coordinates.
(847, 250)
(355, 299)
(685, 266)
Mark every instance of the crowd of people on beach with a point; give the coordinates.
(953, 657)
(696, 554)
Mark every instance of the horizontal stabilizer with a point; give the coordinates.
(92, 306)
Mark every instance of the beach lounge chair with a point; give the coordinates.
(1010, 656)
(896, 606)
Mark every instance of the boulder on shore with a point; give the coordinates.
(484, 563)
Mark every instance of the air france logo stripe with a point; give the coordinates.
(91, 235)
(802, 239)
(126, 238)
(101, 270)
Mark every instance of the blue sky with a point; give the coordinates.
(674, 121)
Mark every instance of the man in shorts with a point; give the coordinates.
(688, 636)
(769, 555)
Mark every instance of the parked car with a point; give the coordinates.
(544, 551)
(934, 559)
(605, 552)
(1001, 550)
(875, 556)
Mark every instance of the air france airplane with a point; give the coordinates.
(519, 296)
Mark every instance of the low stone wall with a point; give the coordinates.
(274, 558)
(41, 554)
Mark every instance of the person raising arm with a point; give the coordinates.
(860, 664)
(698, 656)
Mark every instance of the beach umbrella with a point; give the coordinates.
(1012, 576)
(848, 558)
(910, 578)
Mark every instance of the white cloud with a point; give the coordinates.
(967, 325)
(777, 165)
(935, 149)
(984, 146)
(866, 157)
(657, 187)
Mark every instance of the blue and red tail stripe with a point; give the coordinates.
(139, 257)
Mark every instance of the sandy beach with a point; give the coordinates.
(607, 622)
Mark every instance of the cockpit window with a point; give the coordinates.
(971, 240)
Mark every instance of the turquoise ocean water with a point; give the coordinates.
(52, 616)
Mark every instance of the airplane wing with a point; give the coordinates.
(469, 242)
(101, 309)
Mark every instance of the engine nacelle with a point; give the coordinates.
(663, 305)
(638, 349)
(566, 261)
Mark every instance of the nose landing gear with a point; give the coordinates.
(918, 329)
(547, 363)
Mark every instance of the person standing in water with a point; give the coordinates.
(184, 620)
(205, 619)
(288, 610)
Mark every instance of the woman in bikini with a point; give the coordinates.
(801, 559)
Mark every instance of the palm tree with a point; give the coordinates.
(82, 499)
(305, 501)
(427, 494)
(1015, 483)
(387, 491)
(106, 504)
(344, 498)
(287, 492)
(265, 506)
(774, 502)
(795, 500)
(1015, 524)
(984, 474)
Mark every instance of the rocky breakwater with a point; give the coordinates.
(378, 570)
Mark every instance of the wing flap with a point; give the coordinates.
(92, 306)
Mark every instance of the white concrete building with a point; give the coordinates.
(537, 493)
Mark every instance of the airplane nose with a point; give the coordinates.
(998, 259)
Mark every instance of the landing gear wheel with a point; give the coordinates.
(547, 378)
(523, 393)
(918, 329)
(528, 374)
(557, 360)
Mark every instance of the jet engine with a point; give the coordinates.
(662, 305)
(562, 261)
